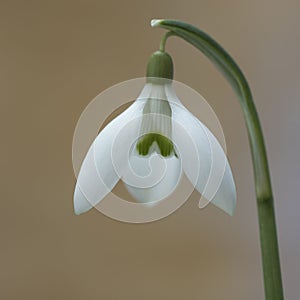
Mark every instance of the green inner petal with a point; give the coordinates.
(165, 145)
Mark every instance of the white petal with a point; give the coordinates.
(152, 178)
(157, 112)
(98, 174)
(225, 197)
(204, 160)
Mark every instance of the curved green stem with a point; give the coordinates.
(266, 214)
(163, 41)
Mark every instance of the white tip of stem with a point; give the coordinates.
(155, 22)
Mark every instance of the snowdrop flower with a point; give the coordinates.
(150, 145)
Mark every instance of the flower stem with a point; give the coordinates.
(164, 39)
(265, 205)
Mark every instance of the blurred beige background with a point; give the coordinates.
(55, 56)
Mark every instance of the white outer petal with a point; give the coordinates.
(97, 175)
(225, 197)
(213, 179)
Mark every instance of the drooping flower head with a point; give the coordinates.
(157, 128)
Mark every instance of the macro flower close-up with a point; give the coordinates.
(150, 150)
(150, 145)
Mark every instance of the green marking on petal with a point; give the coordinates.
(165, 145)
